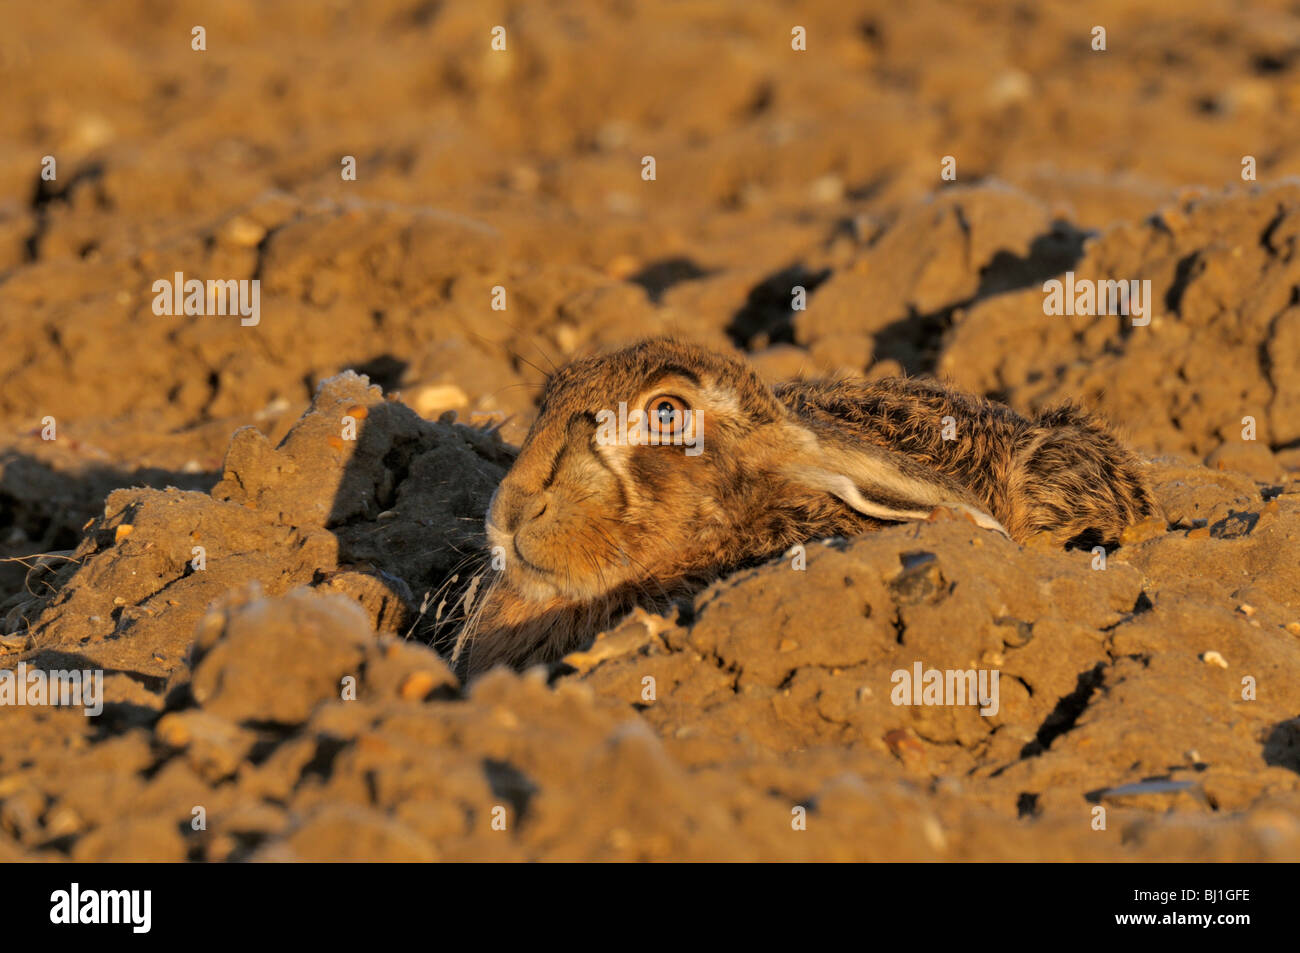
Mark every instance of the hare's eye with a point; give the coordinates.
(666, 414)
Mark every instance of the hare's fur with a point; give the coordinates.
(588, 530)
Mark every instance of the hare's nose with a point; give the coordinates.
(535, 507)
(515, 510)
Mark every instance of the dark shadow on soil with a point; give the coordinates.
(1282, 746)
(767, 316)
(384, 370)
(50, 507)
(658, 276)
(916, 340)
(418, 554)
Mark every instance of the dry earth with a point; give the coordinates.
(1124, 687)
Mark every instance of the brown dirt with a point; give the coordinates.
(522, 169)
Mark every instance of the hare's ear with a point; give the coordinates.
(883, 484)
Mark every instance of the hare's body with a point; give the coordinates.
(1062, 472)
(589, 526)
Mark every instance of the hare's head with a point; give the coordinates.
(636, 460)
(652, 469)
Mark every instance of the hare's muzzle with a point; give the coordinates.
(513, 508)
(519, 523)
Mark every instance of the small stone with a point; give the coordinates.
(214, 747)
(20, 813)
(827, 190)
(524, 178)
(933, 832)
(622, 267)
(433, 399)
(62, 821)
(243, 232)
(16, 643)
(1252, 457)
(1009, 87)
(566, 335)
(417, 685)
(1156, 794)
(1141, 532)
(905, 746)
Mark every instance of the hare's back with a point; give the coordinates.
(958, 434)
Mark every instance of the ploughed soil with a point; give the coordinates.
(254, 587)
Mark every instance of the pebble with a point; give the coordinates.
(433, 399)
(621, 267)
(1141, 532)
(242, 232)
(417, 685)
(905, 746)
(827, 190)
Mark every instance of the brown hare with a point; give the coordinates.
(653, 470)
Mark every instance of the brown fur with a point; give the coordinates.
(587, 531)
